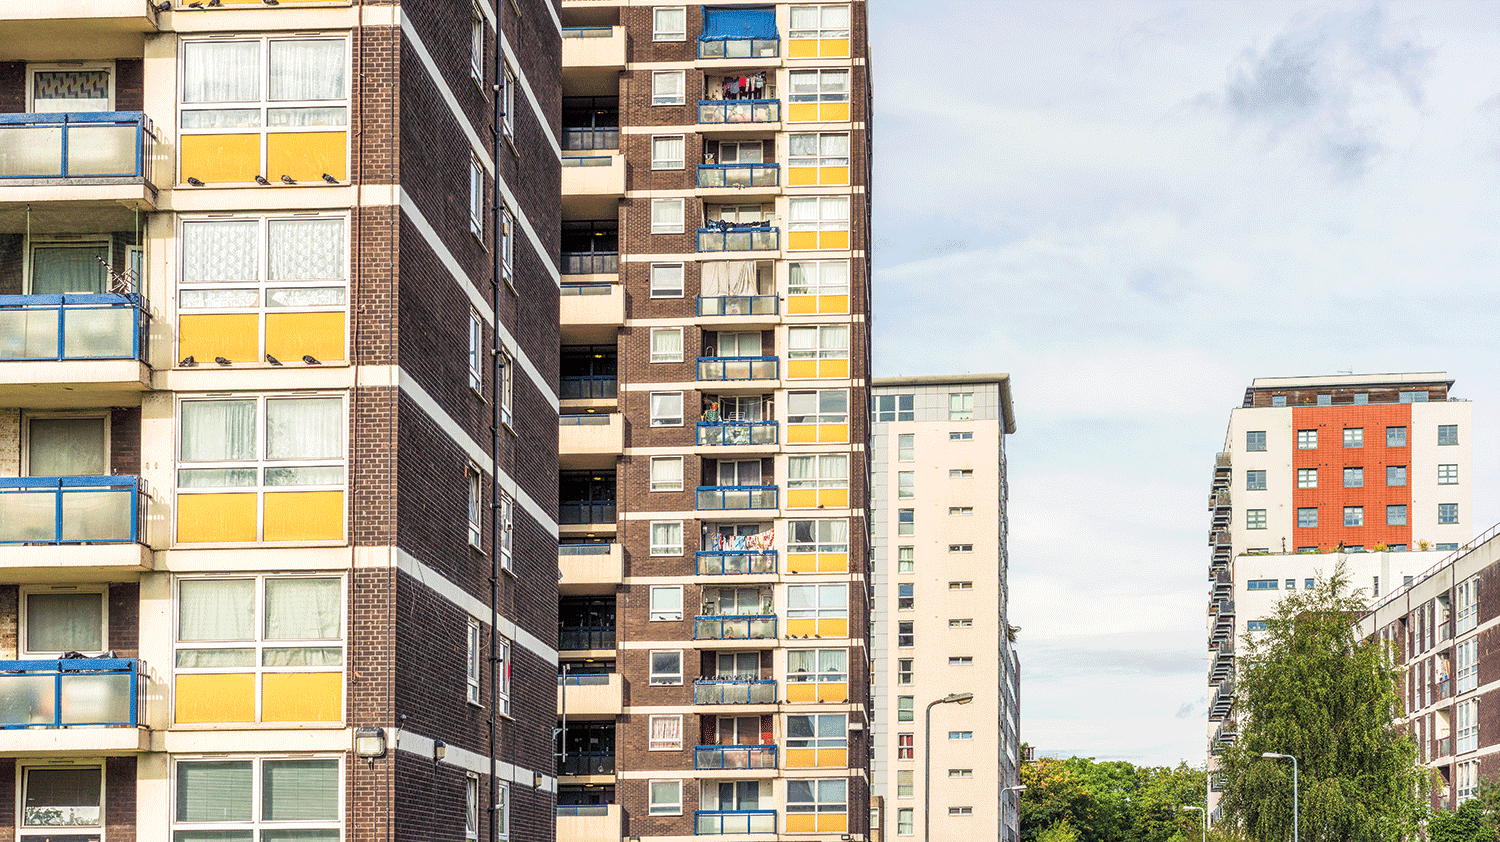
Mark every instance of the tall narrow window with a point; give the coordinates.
(476, 350)
(508, 102)
(507, 531)
(476, 45)
(476, 197)
(507, 387)
(508, 247)
(472, 671)
(476, 505)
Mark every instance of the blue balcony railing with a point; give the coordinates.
(72, 510)
(724, 691)
(738, 432)
(721, 822)
(740, 48)
(739, 175)
(716, 498)
(735, 627)
(74, 326)
(736, 562)
(62, 693)
(734, 757)
(738, 305)
(739, 238)
(83, 145)
(721, 111)
(739, 368)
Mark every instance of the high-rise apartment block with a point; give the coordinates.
(278, 342)
(942, 618)
(714, 390)
(1315, 465)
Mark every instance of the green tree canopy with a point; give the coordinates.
(1110, 801)
(1310, 687)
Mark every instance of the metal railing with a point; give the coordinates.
(584, 679)
(738, 432)
(587, 763)
(573, 512)
(739, 238)
(85, 145)
(67, 692)
(72, 510)
(731, 497)
(74, 326)
(735, 562)
(739, 368)
(585, 289)
(735, 627)
(583, 809)
(595, 420)
(586, 637)
(721, 822)
(734, 757)
(729, 111)
(587, 161)
(738, 305)
(740, 48)
(588, 140)
(584, 549)
(1442, 747)
(588, 387)
(739, 175)
(590, 263)
(587, 31)
(724, 691)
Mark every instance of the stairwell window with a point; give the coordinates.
(1447, 475)
(1354, 437)
(906, 522)
(1307, 439)
(507, 387)
(476, 350)
(666, 473)
(475, 478)
(476, 197)
(476, 45)
(906, 447)
(666, 344)
(906, 559)
(906, 637)
(508, 101)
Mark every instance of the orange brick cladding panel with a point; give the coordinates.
(1331, 457)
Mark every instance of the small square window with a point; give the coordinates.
(1361, 398)
(961, 623)
(1255, 518)
(1354, 477)
(666, 344)
(961, 436)
(1395, 475)
(1395, 515)
(961, 406)
(1255, 625)
(1308, 584)
(666, 280)
(1307, 477)
(665, 733)
(1447, 475)
(666, 667)
(1278, 400)
(960, 735)
(1291, 584)
(1255, 440)
(666, 602)
(665, 798)
(960, 548)
(906, 636)
(667, 152)
(666, 409)
(1255, 480)
(668, 87)
(960, 811)
(1307, 517)
(666, 473)
(666, 216)
(1395, 437)
(961, 661)
(1354, 437)
(1354, 515)
(960, 773)
(1447, 434)
(669, 23)
(666, 537)
(1307, 439)
(1448, 513)
(1325, 400)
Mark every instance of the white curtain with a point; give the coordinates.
(833, 531)
(801, 467)
(64, 622)
(835, 466)
(305, 117)
(66, 447)
(802, 278)
(666, 279)
(304, 428)
(216, 609)
(834, 276)
(666, 535)
(666, 214)
(803, 145)
(805, 17)
(835, 20)
(307, 69)
(804, 213)
(666, 152)
(666, 344)
(802, 342)
(215, 791)
(835, 338)
(667, 87)
(666, 472)
(835, 150)
(833, 596)
(219, 251)
(303, 609)
(306, 249)
(666, 407)
(218, 431)
(59, 269)
(301, 790)
(221, 71)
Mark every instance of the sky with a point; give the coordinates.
(1135, 208)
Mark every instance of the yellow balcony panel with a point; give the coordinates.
(802, 498)
(301, 697)
(801, 758)
(832, 758)
(802, 176)
(214, 698)
(802, 240)
(290, 336)
(65, 742)
(233, 336)
(802, 434)
(220, 158)
(590, 572)
(833, 498)
(833, 822)
(833, 48)
(594, 47)
(801, 563)
(587, 827)
(304, 515)
(833, 563)
(801, 627)
(802, 693)
(801, 369)
(812, 305)
(802, 112)
(833, 692)
(833, 240)
(25, 564)
(216, 518)
(305, 156)
(833, 176)
(817, 434)
(801, 822)
(833, 304)
(833, 627)
(73, 384)
(833, 368)
(802, 48)
(833, 112)
(591, 699)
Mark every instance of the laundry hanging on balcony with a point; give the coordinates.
(761, 541)
(739, 25)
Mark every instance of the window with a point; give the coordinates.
(960, 586)
(67, 445)
(960, 473)
(1307, 549)
(666, 215)
(273, 632)
(961, 661)
(1255, 625)
(1325, 400)
(1468, 727)
(1445, 547)
(1291, 584)
(1447, 475)
(905, 637)
(906, 485)
(471, 806)
(1395, 437)
(476, 197)
(1309, 583)
(1448, 513)
(1447, 434)
(961, 623)
(905, 780)
(960, 548)
(818, 609)
(508, 101)
(818, 222)
(507, 387)
(960, 773)
(666, 473)
(292, 798)
(886, 408)
(1255, 440)
(666, 602)
(905, 596)
(1361, 398)
(960, 735)
(666, 279)
(1395, 475)
(1414, 396)
(1374, 580)
(812, 153)
(820, 87)
(1354, 437)
(666, 344)
(1395, 515)
(669, 23)
(476, 45)
(666, 409)
(1307, 439)
(1255, 518)
(906, 561)
(1261, 585)
(906, 522)
(471, 675)
(475, 479)
(667, 87)
(906, 447)
(1468, 666)
(666, 667)
(665, 798)
(1467, 614)
(666, 537)
(666, 152)
(906, 747)
(960, 511)
(960, 811)
(476, 350)
(1354, 477)
(1354, 515)
(1307, 517)
(906, 822)
(1307, 477)
(961, 406)
(818, 480)
(1255, 480)
(502, 669)
(822, 739)
(1278, 400)
(66, 620)
(818, 670)
(1468, 781)
(665, 733)
(818, 351)
(819, 23)
(507, 530)
(961, 436)
(52, 89)
(905, 672)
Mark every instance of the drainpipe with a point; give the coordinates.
(496, 220)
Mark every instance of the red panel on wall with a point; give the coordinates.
(1331, 457)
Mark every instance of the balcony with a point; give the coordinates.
(81, 21)
(1442, 747)
(103, 156)
(738, 433)
(598, 176)
(739, 305)
(736, 562)
(590, 568)
(584, 763)
(586, 513)
(724, 498)
(731, 113)
(591, 694)
(585, 638)
(734, 757)
(80, 705)
(735, 627)
(594, 47)
(72, 510)
(593, 139)
(727, 691)
(73, 350)
(739, 368)
(738, 177)
(739, 238)
(722, 822)
(590, 313)
(590, 263)
(588, 387)
(1222, 702)
(589, 823)
(590, 441)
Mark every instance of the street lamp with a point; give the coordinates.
(950, 699)
(1205, 819)
(1017, 789)
(1274, 756)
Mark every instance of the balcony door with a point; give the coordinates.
(737, 666)
(743, 408)
(746, 344)
(738, 795)
(57, 268)
(739, 473)
(67, 446)
(738, 731)
(54, 89)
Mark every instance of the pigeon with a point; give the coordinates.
(311, 360)
(260, 179)
(330, 179)
(272, 360)
(187, 362)
(221, 360)
(194, 181)
(286, 179)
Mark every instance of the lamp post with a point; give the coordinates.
(950, 699)
(1017, 789)
(1274, 756)
(1205, 819)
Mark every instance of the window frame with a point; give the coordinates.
(1303, 519)
(257, 821)
(667, 227)
(1447, 513)
(1396, 514)
(1447, 435)
(1354, 437)
(1354, 516)
(1307, 439)
(666, 356)
(663, 808)
(665, 485)
(906, 559)
(906, 522)
(23, 611)
(472, 669)
(1255, 480)
(666, 743)
(659, 98)
(1395, 436)
(476, 197)
(1356, 474)
(664, 550)
(662, 291)
(658, 33)
(1255, 518)
(667, 420)
(667, 614)
(1251, 441)
(1447, 474)
(664, 679)
(659, 163)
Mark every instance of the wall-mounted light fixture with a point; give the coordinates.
(369, 743)
(439, 750)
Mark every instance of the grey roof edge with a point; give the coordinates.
(1001, 378)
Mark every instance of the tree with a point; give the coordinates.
(1053, 793)
(1311, 688)
(1158, 814)
(1110, 801)
(1469, 823)
(1058, 831)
